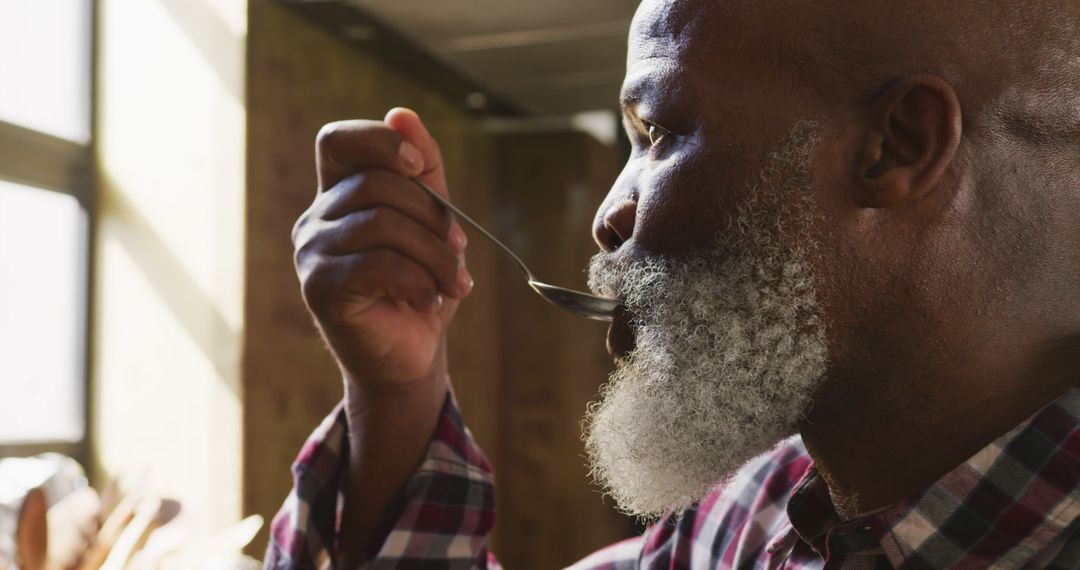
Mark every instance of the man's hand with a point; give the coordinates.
(380, 263)
(381, 266)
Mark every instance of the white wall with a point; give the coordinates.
(169, 280)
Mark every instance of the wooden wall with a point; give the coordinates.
(554, 362)
(522, 374)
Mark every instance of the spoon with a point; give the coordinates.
(581, 304)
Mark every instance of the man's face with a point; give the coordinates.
(711, 247)
(704, 109)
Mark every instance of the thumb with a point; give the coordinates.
(411, 128)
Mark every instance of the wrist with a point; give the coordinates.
(412, 404)
(389, 433)
(373, 389)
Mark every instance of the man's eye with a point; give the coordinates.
(656, 134)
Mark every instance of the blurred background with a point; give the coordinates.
(154, 155)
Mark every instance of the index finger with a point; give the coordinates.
(343, 148)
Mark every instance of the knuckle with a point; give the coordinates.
(298, 228)
(303, 251)
(358, 135)
(329, 135)
(306, 242)
(380, 220)
(298, 262)
(358, 182)
(363, 183)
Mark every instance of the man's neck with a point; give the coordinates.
(889, 439)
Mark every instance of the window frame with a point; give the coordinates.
(54, 164)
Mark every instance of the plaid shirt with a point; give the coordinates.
(1015, 504)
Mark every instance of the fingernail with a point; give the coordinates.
(435, 306)
(465, 281)
(458, 239)
(411, 157)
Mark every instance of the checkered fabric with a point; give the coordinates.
(1015, 504)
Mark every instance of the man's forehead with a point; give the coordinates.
(660, 28)
(678, 46)
(696, 28)
(741, 41)
(659, 39)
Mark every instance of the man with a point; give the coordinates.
(853, 224)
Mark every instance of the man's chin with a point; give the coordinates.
(665, 471)
(709, 382)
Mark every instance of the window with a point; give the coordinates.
(45, 57)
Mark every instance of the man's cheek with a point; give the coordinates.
(685, 208)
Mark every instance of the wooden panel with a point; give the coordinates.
(554, 362)
(445, 20)
(371, 35)
(495, 46)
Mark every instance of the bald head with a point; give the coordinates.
(1013, 67)
(1013, 61)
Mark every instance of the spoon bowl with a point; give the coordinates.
(581, 304)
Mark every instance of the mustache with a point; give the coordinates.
(642, 284)
(626, 278)
(606, 274)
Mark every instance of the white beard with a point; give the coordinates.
(729, 349)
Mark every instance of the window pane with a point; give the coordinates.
(41, 314)
(44, 66)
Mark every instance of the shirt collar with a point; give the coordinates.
(1004, 505)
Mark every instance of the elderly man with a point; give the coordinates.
(846, 240)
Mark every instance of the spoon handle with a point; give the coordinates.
(461, 215)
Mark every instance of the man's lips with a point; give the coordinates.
(620, 336)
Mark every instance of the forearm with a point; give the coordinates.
(388, 437)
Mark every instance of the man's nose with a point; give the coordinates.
(616, 225)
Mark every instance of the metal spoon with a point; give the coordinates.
(581, 304)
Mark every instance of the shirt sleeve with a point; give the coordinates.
(443, 514)
(619, 556)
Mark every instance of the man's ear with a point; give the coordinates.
(912, 132)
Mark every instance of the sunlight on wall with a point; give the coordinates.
(169, 281)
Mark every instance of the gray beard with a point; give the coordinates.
(729, 349)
